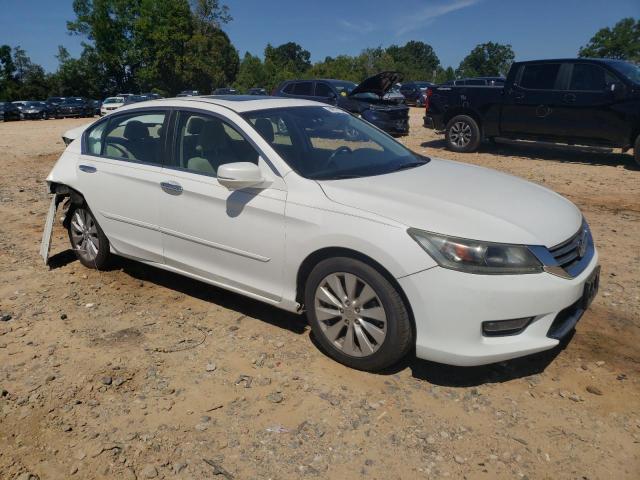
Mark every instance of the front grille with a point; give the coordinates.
(567, 254)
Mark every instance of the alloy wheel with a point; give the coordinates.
(84, 234)
(460, 134)
(350, 314)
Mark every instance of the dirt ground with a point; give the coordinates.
(138, 373)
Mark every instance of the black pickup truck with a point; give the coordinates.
(573, 101)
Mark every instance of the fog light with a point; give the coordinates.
(505, 327)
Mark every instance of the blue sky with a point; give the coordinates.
(535, 29)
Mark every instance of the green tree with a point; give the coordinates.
(30, 80)
(415, 60)
(445, 74)
(251, 73)
(8, 83)
(284, 62)
(78, 76)
(621, 42)
(487, 59)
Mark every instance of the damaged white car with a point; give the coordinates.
(306, 207)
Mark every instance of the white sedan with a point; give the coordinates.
(306, 207)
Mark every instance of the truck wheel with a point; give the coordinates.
(636, 151)
(462, 134)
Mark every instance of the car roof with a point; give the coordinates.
(237, 103)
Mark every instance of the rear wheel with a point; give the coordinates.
(357, 315)
(462, 134)
(89, 242)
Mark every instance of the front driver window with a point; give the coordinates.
(205, 142)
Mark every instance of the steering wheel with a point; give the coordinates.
(338, 151)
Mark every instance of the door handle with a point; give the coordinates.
(569, 98)
(172, 188)
(518, 98)
(87, 168)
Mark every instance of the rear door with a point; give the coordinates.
(119, 171)
(324, 93)
(530, 104)
(589, 108)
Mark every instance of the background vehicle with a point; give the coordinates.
(188, 93)
(257, 91)
(32, 110)
(364, 99)
(96, 104)
(151, 96)
(394, 95)
(477, 81)
(574, 101)
(134, 99)
(412, 91)
(110, 104)
(225, 91)
(75, 107)
(8, 111)
(56, 101)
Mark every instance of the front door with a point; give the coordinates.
(530, 105)
(232, 238)
(589, 108)
(121, 171)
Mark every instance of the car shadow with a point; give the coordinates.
(61, 259)
(595, 156)
(212, 294)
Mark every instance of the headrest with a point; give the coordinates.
(135, 130)
(212, 136)
(265, 129)
(194, 125)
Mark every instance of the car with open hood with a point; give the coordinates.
(365, 99)
(309, 208)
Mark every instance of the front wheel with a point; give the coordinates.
(88, 241)
(357, 315)
(462, 134)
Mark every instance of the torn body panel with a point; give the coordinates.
(48, 228)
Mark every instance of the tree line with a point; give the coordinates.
(165, 46)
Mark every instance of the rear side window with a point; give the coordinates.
(303, 88)
(540, 77)
(323, 90)
(288, 88)
(476, 82)
(136, 137)
(587, 76)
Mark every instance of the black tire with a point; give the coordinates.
(398, 339)
(636, 151)
(462, 134)
(83, 246)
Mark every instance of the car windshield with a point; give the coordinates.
(114, 100)
(327, 143)
(345, 87)
(629, 70)
(32, 104)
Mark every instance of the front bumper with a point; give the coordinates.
(449, 308)
(393, 127)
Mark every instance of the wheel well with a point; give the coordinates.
(330, 252)
(462, 111)
(75, 198)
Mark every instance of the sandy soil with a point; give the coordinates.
(138, 373)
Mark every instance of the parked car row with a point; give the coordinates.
(594, 102)
(52, 107)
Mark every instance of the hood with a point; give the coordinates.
(465, 201)
(378, 84)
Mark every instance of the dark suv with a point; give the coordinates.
(413, 91)
(364, 99)
(8, 111)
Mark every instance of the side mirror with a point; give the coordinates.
(239, 175)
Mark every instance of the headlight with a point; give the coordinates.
(474, 256)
